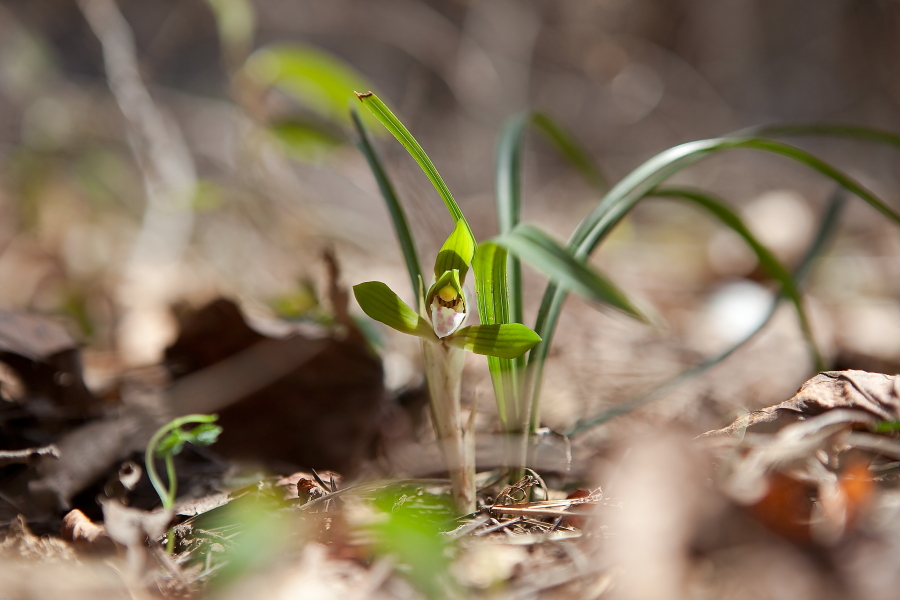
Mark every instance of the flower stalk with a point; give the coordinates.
(443, 372)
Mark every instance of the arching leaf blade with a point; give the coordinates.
(399, 131)
(490, 269)
(570, 149)
(504, 341)
(542, 252)
(766, 257)
(826, 228)
(317, 79)
(398, 215)
(638, 184)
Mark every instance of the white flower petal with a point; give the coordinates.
(445, 320)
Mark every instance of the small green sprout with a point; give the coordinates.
(166, 443)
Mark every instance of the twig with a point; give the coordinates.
(27, 455)
(166, 166)
(499, 526)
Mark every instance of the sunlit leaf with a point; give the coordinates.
(205, 434)
(505, 341)
(172, 443)
(766, 257)
(490, 269)
(317, 79)
(398, 215)
(542, 252)
(380, 303)
(594, 228)
(399, 131)
(304, 141)
(236, 21)
(456, 253)
(570, 149)
(824, 235)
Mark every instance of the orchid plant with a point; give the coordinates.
(517, 378)
(443, 309)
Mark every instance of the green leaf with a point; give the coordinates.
(204, 435)
(317, 79)
(305, 141)
(490, 269)
(594, 228)
(509, 205)
(456, 253)
(398, 215)
(380, 303)
(236, 21)
(172, 443)
(505, 341)
(393, 124)
(489, 266)
(833, 130)
(538, 249)
(766, 258)
(826, 228)
(570, 149)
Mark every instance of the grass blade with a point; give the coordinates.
(317, 79)
(823, 235)
(570, 149)
(399, 131)
(637, 185)
(398, 215)
(490, 268)
(509, 202)
(541, 251)
(843, 131)
(766, 258)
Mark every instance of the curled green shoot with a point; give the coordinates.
(166, 443)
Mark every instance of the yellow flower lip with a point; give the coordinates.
(448, 294)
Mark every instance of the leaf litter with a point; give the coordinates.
(804, 489)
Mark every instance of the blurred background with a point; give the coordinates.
(156, 153)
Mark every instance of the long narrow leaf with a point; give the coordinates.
(570, 149)
(398, 215)
(393, 124)
(836, 130)
(319, 80)
(823, 235)
(490, 271)
(538, 249)
(509, 202)
(638, 184)
(766, 258)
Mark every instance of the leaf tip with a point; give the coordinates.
(363, 95)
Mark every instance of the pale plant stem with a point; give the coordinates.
(443, 370)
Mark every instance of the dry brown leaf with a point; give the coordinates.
(84, 534)
(320, 410)
(876, 393)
